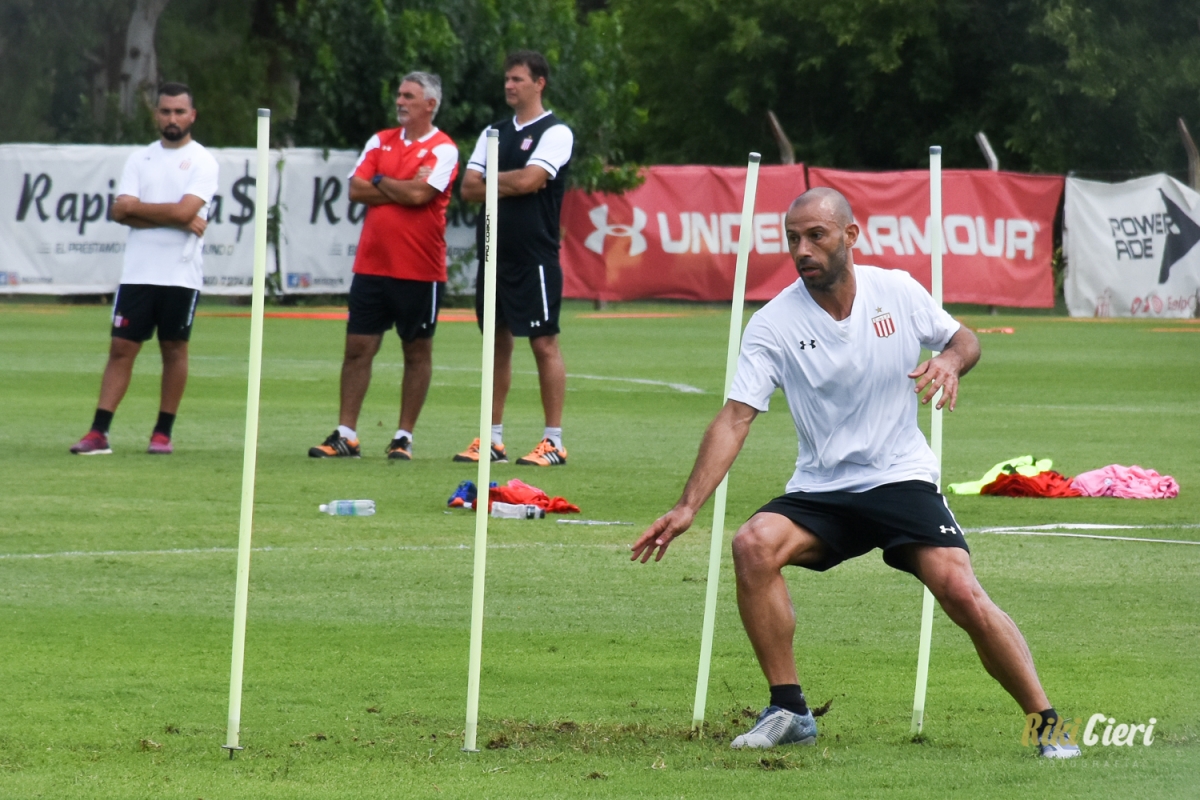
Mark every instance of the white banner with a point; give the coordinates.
(319, 225)
(57, 237)
(1131, 248)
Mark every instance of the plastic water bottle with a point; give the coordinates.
(348, 508)
(519, 511)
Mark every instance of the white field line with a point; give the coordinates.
(1051, 530)
(385, 549)
(679, 387)
(1024, 530)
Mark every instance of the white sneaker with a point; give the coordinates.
(1067, 749)
(778, 726)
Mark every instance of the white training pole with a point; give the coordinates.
(483, 479)
(745, 240)
(935, 426)
(246, 523)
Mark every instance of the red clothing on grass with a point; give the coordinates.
(1044, 484)
(398, 241)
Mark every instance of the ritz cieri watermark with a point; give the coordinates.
(1065, 732)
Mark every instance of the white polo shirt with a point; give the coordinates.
(156, 174)
(847, 382)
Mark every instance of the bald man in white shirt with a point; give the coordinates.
(841, 343)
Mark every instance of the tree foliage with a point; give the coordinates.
(1086, 85)
(1057, 84)
(349, 57)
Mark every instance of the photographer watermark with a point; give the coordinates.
(1066, 732)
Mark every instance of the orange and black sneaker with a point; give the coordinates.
(545, 455)
(400, 449)
(336, 446)
(471, 454)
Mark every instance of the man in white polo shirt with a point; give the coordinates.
(163, 198)
(841, 342)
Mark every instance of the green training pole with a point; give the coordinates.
(246, 523)
(935, 427)
(745, 241)
(483, 479)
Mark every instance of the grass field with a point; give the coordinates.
(117, 576)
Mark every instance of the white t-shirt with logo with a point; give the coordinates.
(847, 382)
(156, 174)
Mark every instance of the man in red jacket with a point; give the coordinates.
(404, 178)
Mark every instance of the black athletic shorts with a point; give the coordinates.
(139, 308)
(528, 297)
(887, 517)
(377, 303)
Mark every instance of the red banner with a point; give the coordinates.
(676, 236)
(997, 230)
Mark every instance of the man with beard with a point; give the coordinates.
(163, 198)
(403, 176)
(841, 342)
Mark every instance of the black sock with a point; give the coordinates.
(102, 420)
(788, 696)
(1049, 720)
(165, 421)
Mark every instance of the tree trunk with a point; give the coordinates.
(139, 68)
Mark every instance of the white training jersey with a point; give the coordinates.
(552, 151)
(156, 174)
(847, 382)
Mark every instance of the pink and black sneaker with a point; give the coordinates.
(160, 444)
(94, 443)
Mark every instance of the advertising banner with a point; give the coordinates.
(997, 230)
(56, 231)
(1131, 248)
(676, 236)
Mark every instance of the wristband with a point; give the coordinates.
(375, 181)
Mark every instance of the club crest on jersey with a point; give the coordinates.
(527, 143)
(185, 164)
(884, 326)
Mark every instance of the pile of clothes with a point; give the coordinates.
(1026, 476)
(516, 492)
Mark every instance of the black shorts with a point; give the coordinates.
(528, 297)
(377, 303)
(139, 308)
(887, 517)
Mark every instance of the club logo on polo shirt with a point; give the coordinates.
(527, 143)
(884, 326)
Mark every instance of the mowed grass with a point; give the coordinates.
(117, 579)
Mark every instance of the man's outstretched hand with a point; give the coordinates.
(659, 535)
(938, 373)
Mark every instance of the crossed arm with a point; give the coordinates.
(526, 180)
(130, 211)
(413, 192)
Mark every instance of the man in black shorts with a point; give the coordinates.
(841, 343)
(403, 177)
(163, 198)
(535, 154)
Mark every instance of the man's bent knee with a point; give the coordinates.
(772, 541)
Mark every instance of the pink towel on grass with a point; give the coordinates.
(1130, 482)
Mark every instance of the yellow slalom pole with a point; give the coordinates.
(745, 241)
(246, 523)
(935, 427)
(484, 476)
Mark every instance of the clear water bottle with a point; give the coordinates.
(348, 508)
(517, 511)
